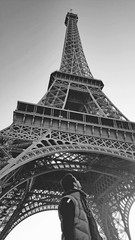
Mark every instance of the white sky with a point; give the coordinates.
(41, 226)
(32, 37)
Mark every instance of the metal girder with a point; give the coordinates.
(90, 99)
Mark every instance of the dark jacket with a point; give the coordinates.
(76, 223)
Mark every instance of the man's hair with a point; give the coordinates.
(67, 182)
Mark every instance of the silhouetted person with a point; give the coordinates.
(77, 222)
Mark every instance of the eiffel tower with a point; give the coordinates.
(73, 128)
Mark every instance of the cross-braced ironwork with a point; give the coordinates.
(75, 128)
(73, 59)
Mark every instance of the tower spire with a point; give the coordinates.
(73, 58)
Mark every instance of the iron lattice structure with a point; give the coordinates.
(74, 128)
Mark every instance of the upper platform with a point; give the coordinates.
(74, 78)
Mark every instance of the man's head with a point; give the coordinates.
(69, 182)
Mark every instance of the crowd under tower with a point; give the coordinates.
(73, 128)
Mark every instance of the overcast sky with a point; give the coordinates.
(32, 36)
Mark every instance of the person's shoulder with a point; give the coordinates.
(66, 206)
(66, 200)
(66, 203)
